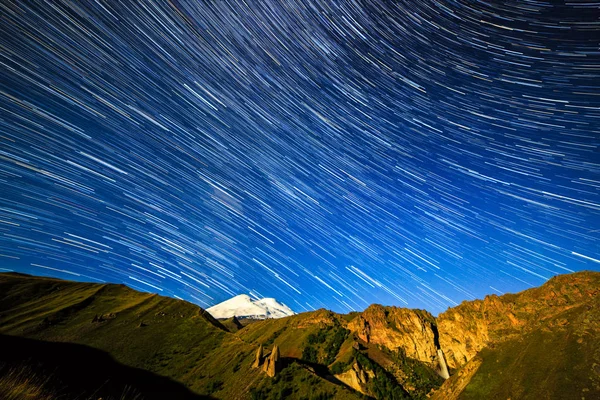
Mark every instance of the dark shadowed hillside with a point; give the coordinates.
(72, 371)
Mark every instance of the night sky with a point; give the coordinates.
(326, 153)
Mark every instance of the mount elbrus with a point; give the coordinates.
(243, 306)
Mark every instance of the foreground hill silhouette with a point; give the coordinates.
(67, 370)
(543, 343)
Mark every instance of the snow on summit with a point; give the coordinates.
(242, 306)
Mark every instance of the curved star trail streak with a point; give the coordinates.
(329, 154)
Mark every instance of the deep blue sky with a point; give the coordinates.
(328, 154)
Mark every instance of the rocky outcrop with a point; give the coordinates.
(412, 331)
(103, 317)
(461, 335)
(259, 357)
(466, 329)
(361, 327)
(321, 317)
(356, 377)
(272, 363)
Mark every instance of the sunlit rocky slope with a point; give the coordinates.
(540, 343)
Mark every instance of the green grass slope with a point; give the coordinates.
(171, 338)
(167, 337)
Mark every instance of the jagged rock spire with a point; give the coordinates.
(271, 366)
(259, 357)
(275, 353)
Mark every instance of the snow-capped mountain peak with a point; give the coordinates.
(243, 306)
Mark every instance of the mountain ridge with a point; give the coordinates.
(381, 352)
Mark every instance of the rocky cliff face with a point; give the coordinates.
(461, 337)
(466, 329)
(413, 331)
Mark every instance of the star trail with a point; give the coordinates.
(326, 153)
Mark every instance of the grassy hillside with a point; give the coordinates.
(538, 344)
(167, 337)
(171, 338)
(33, 369)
